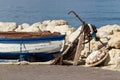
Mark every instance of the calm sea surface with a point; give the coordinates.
(98, 12)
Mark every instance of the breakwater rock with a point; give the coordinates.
(109, 34)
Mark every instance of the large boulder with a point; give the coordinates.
(31, 29)
(108, 30)
(21, 27)
(8, 26)
(25, 25)
(41, 26)
(46, 22)
(68, 30)
(50, 28)
(63, 29)
(36, 24)
(114, 42)
(114, 56)
(57, 23)
(113, 61)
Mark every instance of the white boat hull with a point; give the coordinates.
(29, 47)
(49, 47)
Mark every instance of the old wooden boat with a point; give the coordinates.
(30, 46)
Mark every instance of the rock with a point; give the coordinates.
(114, 57)
(41, 26)
(25, 25)
(114, 42)
(50, 28)
(57, 23)
(36, 24)
(108, 30)
(21, 27)
(103, 34)
(8, 26)
(31, 29)
(64, 29)
(113, 61)
(46, 22)
(117, 66)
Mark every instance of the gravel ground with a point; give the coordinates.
(55, 72)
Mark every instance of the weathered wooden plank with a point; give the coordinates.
(79, 49)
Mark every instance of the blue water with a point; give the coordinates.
(97, 12)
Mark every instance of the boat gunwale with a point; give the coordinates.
(32, 40)
(14, 35)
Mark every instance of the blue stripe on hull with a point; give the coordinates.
(26, 56)
(31, 40)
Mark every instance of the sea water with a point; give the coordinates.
(97, 12)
